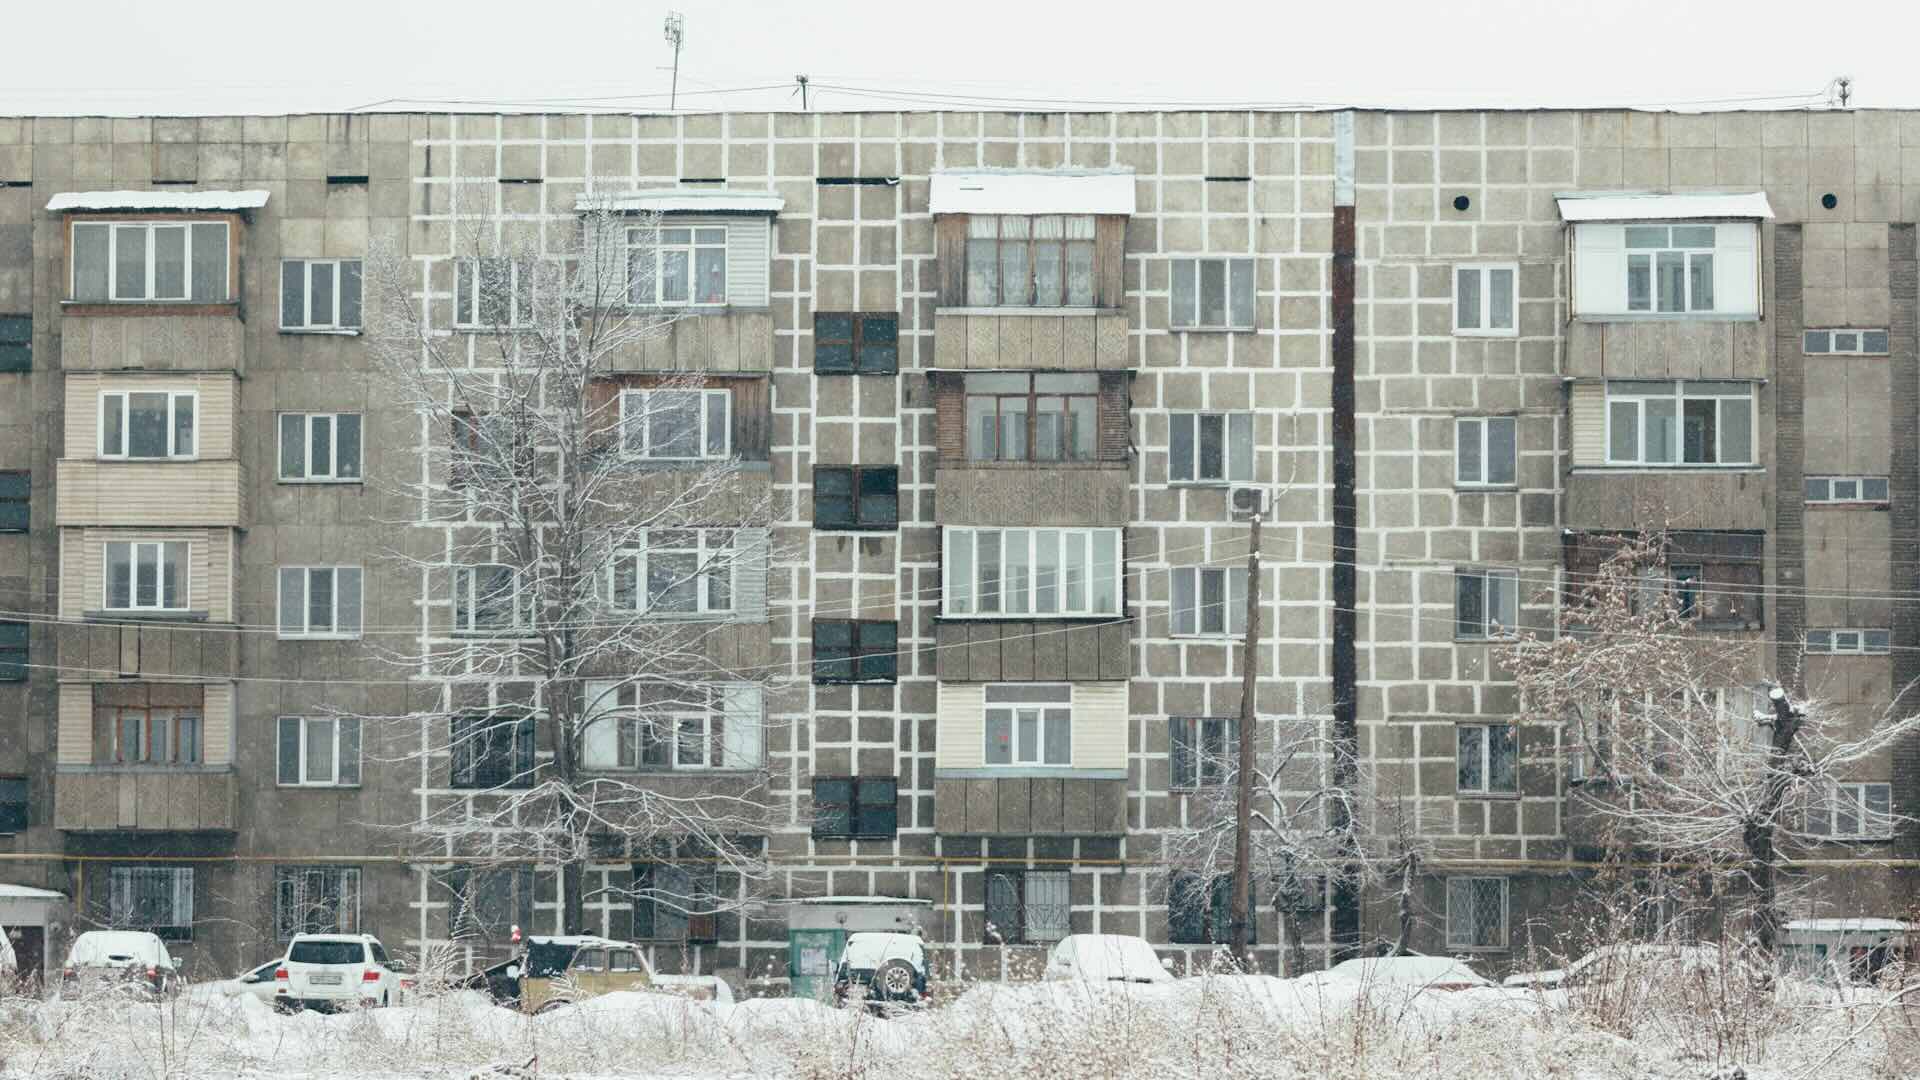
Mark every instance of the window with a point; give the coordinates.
(849, 651)
(1028, 907)
(320, 447)
(1670, 268)
(493, 292)
(1042, 261)
(492, 751)
(15, 491)
(316, 900)
(1031, 417)
(1201, 750)
(1852, 812)
(1021, 572)
(1871, 642)
(1483, 301)
(1483, 451)
(489, 901)
(1200, 909)
(675, 902)
(1476, 913)
(1485, 759)
(851, 343)
(677, 425)
(154, 735)
(158, 899)
(154, 261)
(320, 294)
(1486, 603)
(13, 651)
(856, 497)
(1847, 342)
(1030, 724)
(1209, 600)
(16, 343)
(318, 751)
(652, 726)
(146, 575)
(677, 266)
(148, 424)
(678, 572)
(14, 804)
(1680, 423)
(855, 807)
(1210, 448)
(1846, 489)
(487, 598)
(1212, 294)
(319, 601)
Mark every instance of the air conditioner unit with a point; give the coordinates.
(1248, 501)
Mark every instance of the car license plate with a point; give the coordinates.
(324, 978)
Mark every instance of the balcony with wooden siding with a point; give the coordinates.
(131, 494)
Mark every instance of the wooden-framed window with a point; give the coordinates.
(855, 650)
(319, 294)
(156, 735)
(317, 751)
(1032, 416)
(855, 807)
(856, 343)
(1212, 294)
(150, 261)
(149, 424)
(856, 497)
(1039, 261)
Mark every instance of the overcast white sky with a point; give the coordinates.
(219, 56)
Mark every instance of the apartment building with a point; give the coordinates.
(1001, 376)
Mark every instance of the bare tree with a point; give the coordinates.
(1685, 748)
(586, 549)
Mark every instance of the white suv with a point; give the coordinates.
(325, 971)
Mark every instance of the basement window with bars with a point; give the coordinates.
(1200, 909)
(1212, 294)
(320, 295)
(158, 899)
(316, 900)
(320, 448)
(1486, 760)
(856, 343)
(1201, 750)
(1846, 489)
(855, 651)
(318, 751)
(1851, 811)
(1846, 342)
(1476, 913)
(855, 807)
(1210, 448)
(856, 497)
(492, 752)
(1028, 907)
(1208, 601)
(1854, 641)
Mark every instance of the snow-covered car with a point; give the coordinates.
(1420, 972)
(1616, 963)
(326, 971)
(884, 969)
(134, 959)
(556, 971)
(258, 983)
(1106, 958)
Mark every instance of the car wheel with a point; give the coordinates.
(894, 981)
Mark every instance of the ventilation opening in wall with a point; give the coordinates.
(334, 181)
(15, 183)
(856, 181)
(520, 180)
(708, 180)
(174, 183)
(1229, 179)
(1461, 202)
(1829, 200)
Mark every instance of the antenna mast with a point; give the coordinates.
(676, 33)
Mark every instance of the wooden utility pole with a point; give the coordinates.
(1244, 756)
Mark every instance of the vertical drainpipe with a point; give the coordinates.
(1346, 730)
(1903, 266)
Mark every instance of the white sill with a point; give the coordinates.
(1488, 796)
(1485, 333)
(1627, 467)
(322, 481)
(1670, 316)
(317, 787)
(1209, 485)
(1461, 485)
(1206, 637)
(317, 637)
(309, 331)
(1002, 616)
(1213, 330)
(125, 459)
(1502, 639)
(1044, 312)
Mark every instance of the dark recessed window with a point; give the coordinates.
(16, 343)
(855, 650)
(13, 804)
(13, 651)
(852, 343)
(856, 496)
(855, 807)
(15, 489)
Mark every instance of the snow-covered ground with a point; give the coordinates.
(1252, 1026)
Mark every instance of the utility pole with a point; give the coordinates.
(676, 33)
(1243, 794)
(802, 80)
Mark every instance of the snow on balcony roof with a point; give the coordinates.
(1655, 206)
(1838, 926)
(684, 201)
(1012, 191)
(28, 892)
(157, 200)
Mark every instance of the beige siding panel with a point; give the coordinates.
(137, 493)
(1100, 725)
(218, 718)
(961, 719)
(74, 745)
(1588, 407)
(215, 408)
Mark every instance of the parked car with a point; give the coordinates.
(553, 972)
(258, 983)
(326, 971)
(134, 959)
(1106, 958)
(886, 970)
(1617, 963)
(1419, 972)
